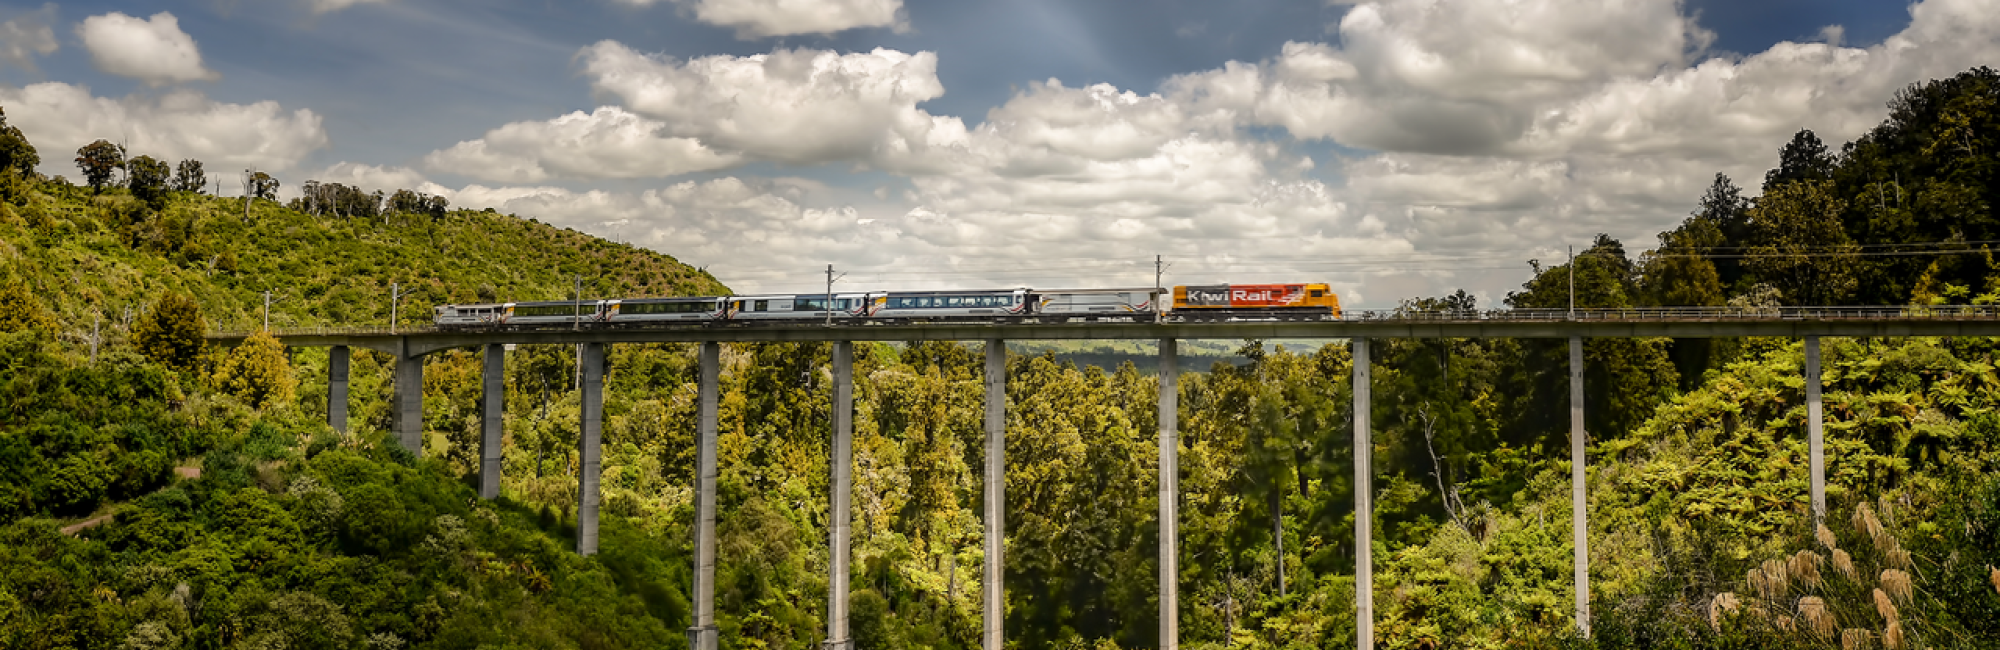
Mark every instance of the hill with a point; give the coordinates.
(110, 253)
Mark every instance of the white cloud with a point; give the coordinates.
(60, 118)
(792, 106)
(330, 6)
(763, 18)
(376, 177)
(153, 50)
(609, 142)
(26, 36)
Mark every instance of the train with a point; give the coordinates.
(1188, 303)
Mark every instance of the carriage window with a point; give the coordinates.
(763, 305)
(1316, 293)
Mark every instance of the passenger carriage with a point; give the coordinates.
(928, 305)
(656, 310)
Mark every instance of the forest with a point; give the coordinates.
(161, 493)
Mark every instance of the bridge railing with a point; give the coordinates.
(1655, 314)
(1648, 314)
(282, 332)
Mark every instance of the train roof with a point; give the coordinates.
(1094, 291)
(668, 299)
(955, 292)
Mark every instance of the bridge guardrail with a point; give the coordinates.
(1649, 314)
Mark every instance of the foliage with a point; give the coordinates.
(188, 176)
(172, 332)
(21, 308)
(257, 372)
(147, 178)
(17, 155)
(1800, 248)
(263, 186)
(98, 161)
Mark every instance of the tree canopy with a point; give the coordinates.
(172, 332)
(99, 161)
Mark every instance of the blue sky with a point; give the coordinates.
(1393, 147)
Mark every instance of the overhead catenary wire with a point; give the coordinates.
(1023, 272)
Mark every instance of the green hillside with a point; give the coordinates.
(106, 253)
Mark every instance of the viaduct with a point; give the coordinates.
(410, 346)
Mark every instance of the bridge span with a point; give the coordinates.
(410, 346)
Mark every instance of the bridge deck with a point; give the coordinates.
(1588, 323)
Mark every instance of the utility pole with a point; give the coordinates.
(1159, 273)
(576, 323)
(96, 319)
(1572, 282)
(830, 279)
(267, 310)
(393, 299)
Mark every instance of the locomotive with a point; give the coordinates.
(1189, 303)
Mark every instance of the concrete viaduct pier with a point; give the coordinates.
(409, 348)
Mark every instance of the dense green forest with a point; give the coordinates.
(163, 496)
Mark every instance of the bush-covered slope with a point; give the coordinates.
(88, 253)
(291, 537)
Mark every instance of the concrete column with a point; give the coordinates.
(843, 485)
(702, 635)
(590, 451)
(1579, 520)
(336, 388)
(1815, 429)
(994, 601)
(1364, 503)
(409, 403)
(1170, 495)
(492, 411)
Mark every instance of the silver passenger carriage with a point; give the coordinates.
(470, 316)
(796, 307)
(924, 305)
(1126, 305)
(553, 312)
(654, 310)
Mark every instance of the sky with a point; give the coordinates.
(1391, 148)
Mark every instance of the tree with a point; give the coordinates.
(257, 372)
(16, 153)
(99, 161)
(1800, 247)
(171, 332)
(147, 178)
(1625, 376)
(188, 177)
(21, 309)
(1680, 274)
(263, 186)
(406, 202)
(1725, 208)
(1803, 159)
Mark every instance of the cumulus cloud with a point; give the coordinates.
(765, 18)
(378, 177)
(1470, 136)
(609, 142)
(792, 106)
(330, 6)
(153, 50)
(60, 117)
(26, 36)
